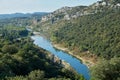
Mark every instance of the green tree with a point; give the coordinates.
(9, 49)
(36, 75)
(106, 70)
(16, 78)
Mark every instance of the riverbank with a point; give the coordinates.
(89, 61)
(71, 61)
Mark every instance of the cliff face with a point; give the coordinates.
(67, 13)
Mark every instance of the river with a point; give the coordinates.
(74, 62)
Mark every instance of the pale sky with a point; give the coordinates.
(30, 6)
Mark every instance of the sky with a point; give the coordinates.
(30, 6)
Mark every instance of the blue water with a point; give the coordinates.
(74, 62)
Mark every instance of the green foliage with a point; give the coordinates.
(36, 75)
(97, 33)
(113, 1)
(59, 79)
(106, 70)
(9, 49)
(12, 32)
(16, 78)
(20, 59)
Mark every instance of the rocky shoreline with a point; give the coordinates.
(87, 61)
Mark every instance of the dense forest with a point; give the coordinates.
(20, 59)
(106, 69)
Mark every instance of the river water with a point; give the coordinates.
(74, 62)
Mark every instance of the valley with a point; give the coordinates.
(70, 43)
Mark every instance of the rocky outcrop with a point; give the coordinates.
(67, 13)
(55, 59)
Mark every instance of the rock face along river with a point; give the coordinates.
(74, 62)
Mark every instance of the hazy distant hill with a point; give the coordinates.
(17, 15)
(20, 19)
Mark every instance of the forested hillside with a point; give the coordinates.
(96, 30)
(98, 33)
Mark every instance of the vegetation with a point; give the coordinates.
(106, 70)
(95, 33)
(10, 33)
(98, 33)
(20, 59)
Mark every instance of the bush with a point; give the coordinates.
(9, 49)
